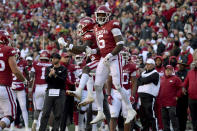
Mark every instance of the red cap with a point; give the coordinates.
(169, 67)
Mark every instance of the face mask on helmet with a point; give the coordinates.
(80, 31)
(102, 15)
(78, 59)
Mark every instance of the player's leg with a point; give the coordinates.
(102, 73)
(114, 109)
(21, 96)
(116, 72)
(90, 67)
(89, 99)
(8, 102)
(94, 112)
(127, 126)
(38, 99)
(82, 112)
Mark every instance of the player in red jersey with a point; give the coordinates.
(7, 67)
(19, 88)
(38, 75)
(110, 42)
(89, 46)
(114, 99)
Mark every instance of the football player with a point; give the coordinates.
(110, 42)
(84, 29)
(19, 88)
(38, 73)
(114, 99)
(8, 66)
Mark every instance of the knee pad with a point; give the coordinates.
(117, 86)
(7, 120)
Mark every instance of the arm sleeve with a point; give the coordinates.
(62, 77)
(153, 78)
(116, 31)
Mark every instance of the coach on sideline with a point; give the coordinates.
(148, 89)
(55, 77)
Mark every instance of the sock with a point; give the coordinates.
(50, 128)
(83, 80)
(90, 86)
(94, 126)
(125, 98)
(75, 117)
(99, 98)
(25, 117)
(81, 119)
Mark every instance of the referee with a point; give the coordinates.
(55, 94)
(148, 89)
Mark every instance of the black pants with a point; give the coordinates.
(193, 110)
(181, 109)
(147, 114)
(56, 104)
(169, 114)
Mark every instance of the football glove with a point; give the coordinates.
(62, 42)
(107, 58)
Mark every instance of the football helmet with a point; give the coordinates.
(102, 14)
(79, 59)
(125, 55)
(4, 37)
(44, 55)
(84, 25)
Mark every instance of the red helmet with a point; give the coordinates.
(44, 55)
(102, 14)
(4, 37)
(85, 24)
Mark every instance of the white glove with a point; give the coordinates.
(107, 58)
(90, 51)
(62, 42)
(14, 86)
(25, 82)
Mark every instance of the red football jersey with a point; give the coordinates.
(90, 36)
(5, 71)
(22, 64)
(105, 38)
(39, 68)
(127, 71)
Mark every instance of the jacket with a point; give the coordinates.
(190, 82)
(170, 89)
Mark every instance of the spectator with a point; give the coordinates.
(145, 32)
(190, 83)
(171, 86)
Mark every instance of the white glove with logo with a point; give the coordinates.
(107, 58)
(90, 51)
(62, 42)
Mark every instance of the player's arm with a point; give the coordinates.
(109, 85)
(14, 68)
(80, 49)
(32, 78)
(119, 41)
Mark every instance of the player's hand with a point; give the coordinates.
(107, 58)
(132, 100)
(109, 99)
(62, 42)
(25, 83)
(52, 72)
(90, 51)
(13, 86)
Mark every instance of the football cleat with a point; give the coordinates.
(130, 115)
(100, 116)
(76, 93)
(86, 101)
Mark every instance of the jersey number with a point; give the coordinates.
(43, 73)
(101, 42)
(2, 65)
(125, 78)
